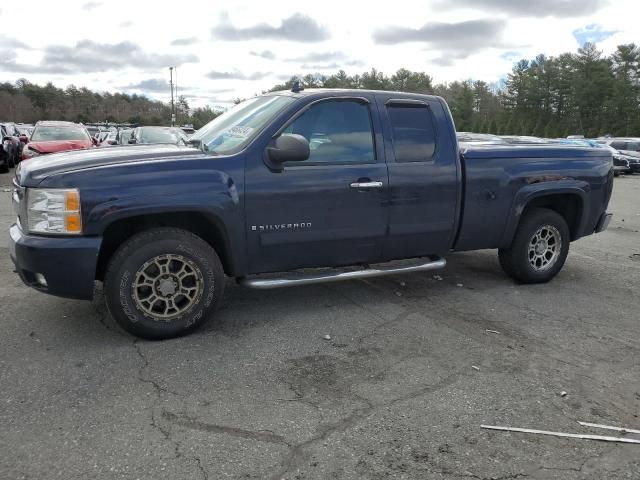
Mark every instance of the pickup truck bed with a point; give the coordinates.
(501, 182)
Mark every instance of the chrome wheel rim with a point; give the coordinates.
(544, 248)
(167, 286)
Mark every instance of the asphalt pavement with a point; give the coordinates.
(414, 365)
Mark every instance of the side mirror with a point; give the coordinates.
(94, 140)
(24, 138)
(288, 148)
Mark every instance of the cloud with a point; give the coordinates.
(332, 65)
(318, 57)
(236, 75)
(324, 61)
(268, 54)
(592, 33)
(7, 56)
(91, 5)
(297, 27)
(529, 8)
(453, 40)
(150, 85)
(185, 41)
(88, 56)
(8, 42)
(511, 55)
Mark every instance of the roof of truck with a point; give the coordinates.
(352, 91)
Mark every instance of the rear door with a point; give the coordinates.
(424, 175)
(329, 210)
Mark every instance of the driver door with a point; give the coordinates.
(329, 210)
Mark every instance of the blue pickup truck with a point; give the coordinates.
(291, 188)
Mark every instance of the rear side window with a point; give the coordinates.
(618, 145)
(413, 130)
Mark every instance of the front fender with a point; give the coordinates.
(528, 193)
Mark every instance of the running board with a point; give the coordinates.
(310, 278)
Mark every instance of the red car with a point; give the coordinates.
(52, 137)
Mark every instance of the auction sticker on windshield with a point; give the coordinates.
(238, 131)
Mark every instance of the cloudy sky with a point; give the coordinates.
(236, 49)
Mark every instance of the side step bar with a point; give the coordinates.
(311, 278)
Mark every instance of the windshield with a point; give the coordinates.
(159, 135)
(45, 134)
(234, 129)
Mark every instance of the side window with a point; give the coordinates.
(413, 130)
(338, 131)
(618, 145)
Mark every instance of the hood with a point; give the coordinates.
(630, 153)
(33, 171)
(53, 146)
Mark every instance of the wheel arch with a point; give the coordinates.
(569, 202)
(207, 226)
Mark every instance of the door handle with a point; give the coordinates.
(366, 185)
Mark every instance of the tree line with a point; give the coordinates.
(574, 93)
(27, 102)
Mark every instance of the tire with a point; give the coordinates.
(4, 168)
(146, 276)
(11, 162)
(616, 174)
(526, 260)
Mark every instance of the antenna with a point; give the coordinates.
(296, 87)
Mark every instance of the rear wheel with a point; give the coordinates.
(539, 248)
(163, 283)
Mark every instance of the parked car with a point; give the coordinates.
(5, 152)
(188, 129)
(161, 225)
(124, 136)
(469, 137)
(172, 135)
(525, 140)
(24, 129)
(93, 130)
(11, 142)
(630, 148)
(103, 135)
(55, 136)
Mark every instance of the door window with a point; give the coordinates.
(414, 137)
(338, 131)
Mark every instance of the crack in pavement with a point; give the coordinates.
(194, 424)
(157, 387)
(297, 453)
(159, 390)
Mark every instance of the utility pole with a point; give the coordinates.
(177, 97)
(173, 115)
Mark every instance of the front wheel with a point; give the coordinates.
(539, 248)
(163, 283)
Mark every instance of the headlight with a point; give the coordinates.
(29, 152)
(54, 211)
